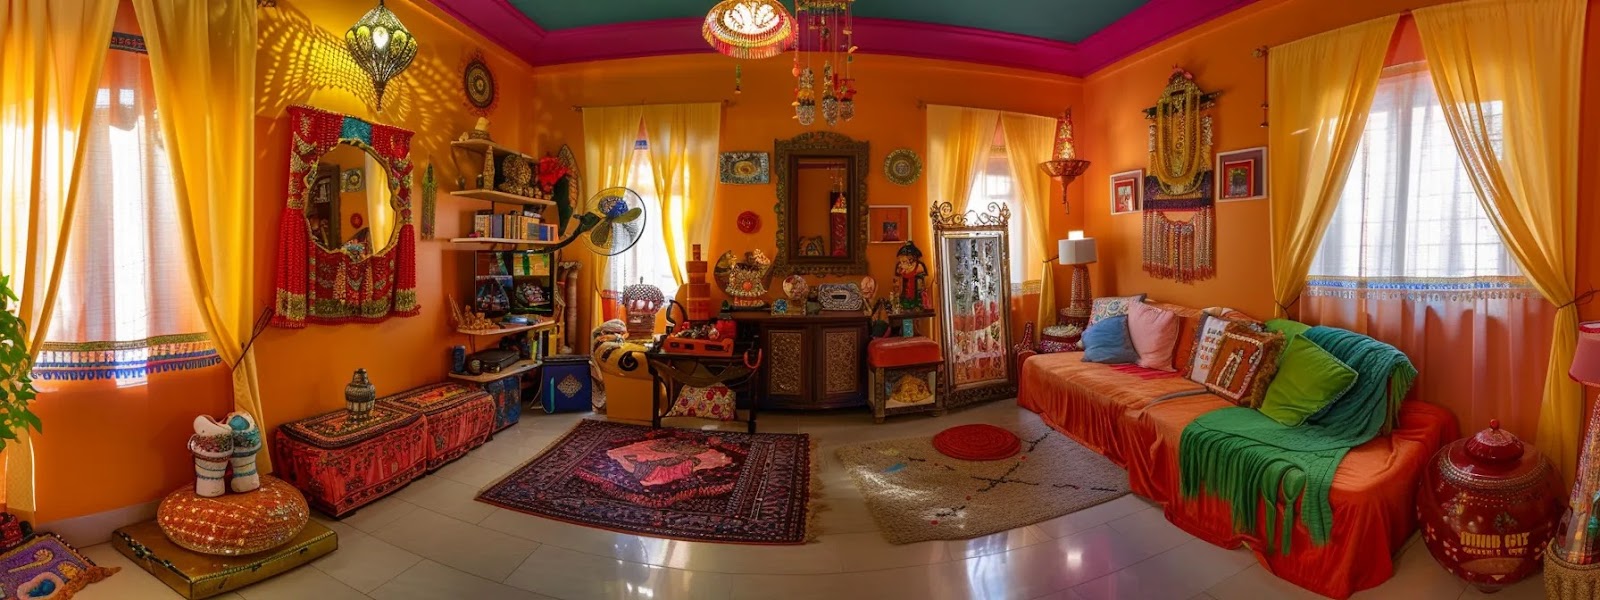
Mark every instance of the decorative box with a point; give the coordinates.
(459, 418)
(1488, 506)
(195, 576)
(507, 395)
(342, 463)
(840, 296)
(565, 384)
(904, 374)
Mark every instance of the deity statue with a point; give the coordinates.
(911, 291)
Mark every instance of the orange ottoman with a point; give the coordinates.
(459, 418)
(341, 463)
(904, 374)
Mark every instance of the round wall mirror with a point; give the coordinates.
(350, 204)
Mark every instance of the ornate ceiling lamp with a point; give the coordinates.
(748, 29)
(828, 28)
(1066, 165)
(382, 46)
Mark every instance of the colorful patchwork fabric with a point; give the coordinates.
(459, 418)
(341, 465)
(340, 428)
(1061, 338)
(46, 567)
(714, 402)
(1245, 362)
(1111, 306)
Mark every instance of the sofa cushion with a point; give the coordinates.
(1155, 334)
(1289, 329)
(1111, 306)
(1108, 342)
(1245, 363)
(887, 353)
(1308, 379)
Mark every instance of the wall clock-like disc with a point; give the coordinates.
(749, 222)
(902, 167)
(479, 84)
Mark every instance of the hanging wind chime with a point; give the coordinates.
(828, 29)
(748, 30)
(1180, 180)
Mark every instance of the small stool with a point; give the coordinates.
(905, 376)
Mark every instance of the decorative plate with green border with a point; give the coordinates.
(478, 83)
(902, 167)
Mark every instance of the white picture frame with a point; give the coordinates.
(1127, 192)
(1241, 175)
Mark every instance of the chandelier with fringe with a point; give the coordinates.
(749, 29)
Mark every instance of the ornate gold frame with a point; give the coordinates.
(824, 144)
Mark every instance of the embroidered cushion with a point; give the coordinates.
(714, 402)
(1107, 342)
(1245, 362)
(1308, 379)
(1154, 333)
(1111, 306)
(1061, 338)
(1207, 334)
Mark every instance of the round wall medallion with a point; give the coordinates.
(749, 222)
(902, 167)
(479, 84)
(356, 221)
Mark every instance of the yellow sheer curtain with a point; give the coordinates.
(53, 55)
(683, 159)
(1029, 141)
(959, 140)
(1520, 62)
(210, 46)
(1319, 90)
(609, 133)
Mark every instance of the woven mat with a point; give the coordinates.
(917, 494)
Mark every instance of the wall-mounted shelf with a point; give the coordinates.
(482, 146)
(506, 241)
(518, 368)
(501, 197)
(507, 330)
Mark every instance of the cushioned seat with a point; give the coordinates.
(459, 417)
(1138, 423)
(902, 351)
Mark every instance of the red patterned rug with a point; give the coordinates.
(685, 484)
(977, 442)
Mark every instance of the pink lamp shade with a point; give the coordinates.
(1586, 362)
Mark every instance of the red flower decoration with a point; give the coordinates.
(550, 171)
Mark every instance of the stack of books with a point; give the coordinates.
(512, 226)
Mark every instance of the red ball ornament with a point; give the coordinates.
(1488, 506)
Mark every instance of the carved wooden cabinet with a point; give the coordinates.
(811, 362)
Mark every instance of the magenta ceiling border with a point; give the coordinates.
(1146, 26)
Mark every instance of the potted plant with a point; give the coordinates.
(16, 387)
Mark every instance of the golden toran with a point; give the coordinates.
(1179, 148)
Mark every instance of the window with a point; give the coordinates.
(1409, 210)
(995, 184)
(125, 307)
(648, 258)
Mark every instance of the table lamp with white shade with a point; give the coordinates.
(1078, 251)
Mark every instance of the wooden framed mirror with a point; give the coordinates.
(972, 256)
(346, 244)
(822, 205)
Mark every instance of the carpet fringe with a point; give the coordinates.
(814, 502)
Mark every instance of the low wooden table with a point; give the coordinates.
(672, 371)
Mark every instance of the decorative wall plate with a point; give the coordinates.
(902, 167)
(749, 222)
(356, 221)
(869, 287)
(352, 180)
(478, 83)
(796, 288)
(745, 168)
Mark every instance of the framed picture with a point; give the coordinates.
(1242, 174)
(888, 224)
(745, 168)
(1127, 191)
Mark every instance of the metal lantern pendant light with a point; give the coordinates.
(382, 46)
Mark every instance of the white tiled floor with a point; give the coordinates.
(432, 541)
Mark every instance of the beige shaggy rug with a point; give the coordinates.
(917, 494)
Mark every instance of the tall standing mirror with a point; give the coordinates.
(822, 204)
(973, 261)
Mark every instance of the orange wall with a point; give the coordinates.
(1112, 133)
(887, 116)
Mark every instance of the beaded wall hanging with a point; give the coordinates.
(1180, 181)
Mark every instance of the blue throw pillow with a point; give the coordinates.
(1107, 341)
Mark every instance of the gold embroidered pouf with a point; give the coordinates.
(235, 523)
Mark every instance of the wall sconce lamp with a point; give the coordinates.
(382, 46)
(1066, 165)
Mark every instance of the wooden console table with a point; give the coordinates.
(673, 371)
(810, 361)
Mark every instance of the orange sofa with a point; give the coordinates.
(1137, 422)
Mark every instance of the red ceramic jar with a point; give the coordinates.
(1488, 505)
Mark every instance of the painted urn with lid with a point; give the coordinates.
(1487, 505)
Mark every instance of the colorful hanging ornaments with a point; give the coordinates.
(749, 222)
(749, 29)
(902, 167)
(827, 27)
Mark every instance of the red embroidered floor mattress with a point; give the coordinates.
(1137, 423)
(459, 417)
(341, 463)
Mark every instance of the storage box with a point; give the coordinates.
(565, 384)
(341, 463)
(195, 576)
(459, 418)
(507, 394)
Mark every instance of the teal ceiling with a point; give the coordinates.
(1061, 20)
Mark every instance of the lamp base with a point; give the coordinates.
(1080, 304)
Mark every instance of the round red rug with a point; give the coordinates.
(977, 442)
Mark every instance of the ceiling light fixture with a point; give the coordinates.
(382, 46)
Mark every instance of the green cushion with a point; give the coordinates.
(1309, 378)
(1289, 329)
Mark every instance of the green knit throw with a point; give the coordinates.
(1251, 461)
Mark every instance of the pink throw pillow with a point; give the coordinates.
(1154, 333)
